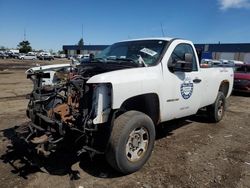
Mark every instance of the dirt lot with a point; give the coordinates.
(188, 153)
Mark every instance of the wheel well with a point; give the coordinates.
(146, 103)
(224, 87)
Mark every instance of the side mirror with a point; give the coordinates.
(184, 66)
(188, 58)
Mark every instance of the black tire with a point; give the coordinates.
(216, 111)
(125, 132)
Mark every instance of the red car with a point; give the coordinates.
(242, 78)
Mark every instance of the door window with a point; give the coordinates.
(179, 55)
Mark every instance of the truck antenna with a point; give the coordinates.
(162, 31)
(82, 31)
(24, 34)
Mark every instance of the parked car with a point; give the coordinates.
(242, 78)
(70, 57)
(46, 57)
(21, 55)
(209, 63)
(217, 63)
(79, 56)
(227, 63)
(235, 62)
(3, 55)
(28, 56)
(62, 55)
(14, 55)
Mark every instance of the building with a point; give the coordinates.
(230, 51)
(86, 49)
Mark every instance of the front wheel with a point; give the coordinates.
(216, 111)
(131, 142)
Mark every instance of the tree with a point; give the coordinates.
(81, 43)
(51, 51)
(60, 52)
(24, 47)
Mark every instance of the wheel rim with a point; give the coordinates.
(220, 108)
(137, 144)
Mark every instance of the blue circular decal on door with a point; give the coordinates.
(186, 89)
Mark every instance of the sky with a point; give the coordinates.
(49, 24)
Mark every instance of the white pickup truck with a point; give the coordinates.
(111, 104)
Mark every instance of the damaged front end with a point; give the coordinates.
(67, 109)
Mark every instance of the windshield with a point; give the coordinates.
(146, 52)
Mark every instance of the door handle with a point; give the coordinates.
(197, 80)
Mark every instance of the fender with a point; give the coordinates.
(128, 83)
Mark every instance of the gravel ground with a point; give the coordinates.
(188, 153)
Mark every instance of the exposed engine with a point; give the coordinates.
(67, 109)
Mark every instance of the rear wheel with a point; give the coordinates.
(131, 142)
(216, 111)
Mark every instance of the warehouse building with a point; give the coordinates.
(71, 50)
(230, 51)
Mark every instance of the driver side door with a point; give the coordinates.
(185, 87)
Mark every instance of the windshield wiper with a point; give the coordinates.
(139, 61)
(124, 60)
